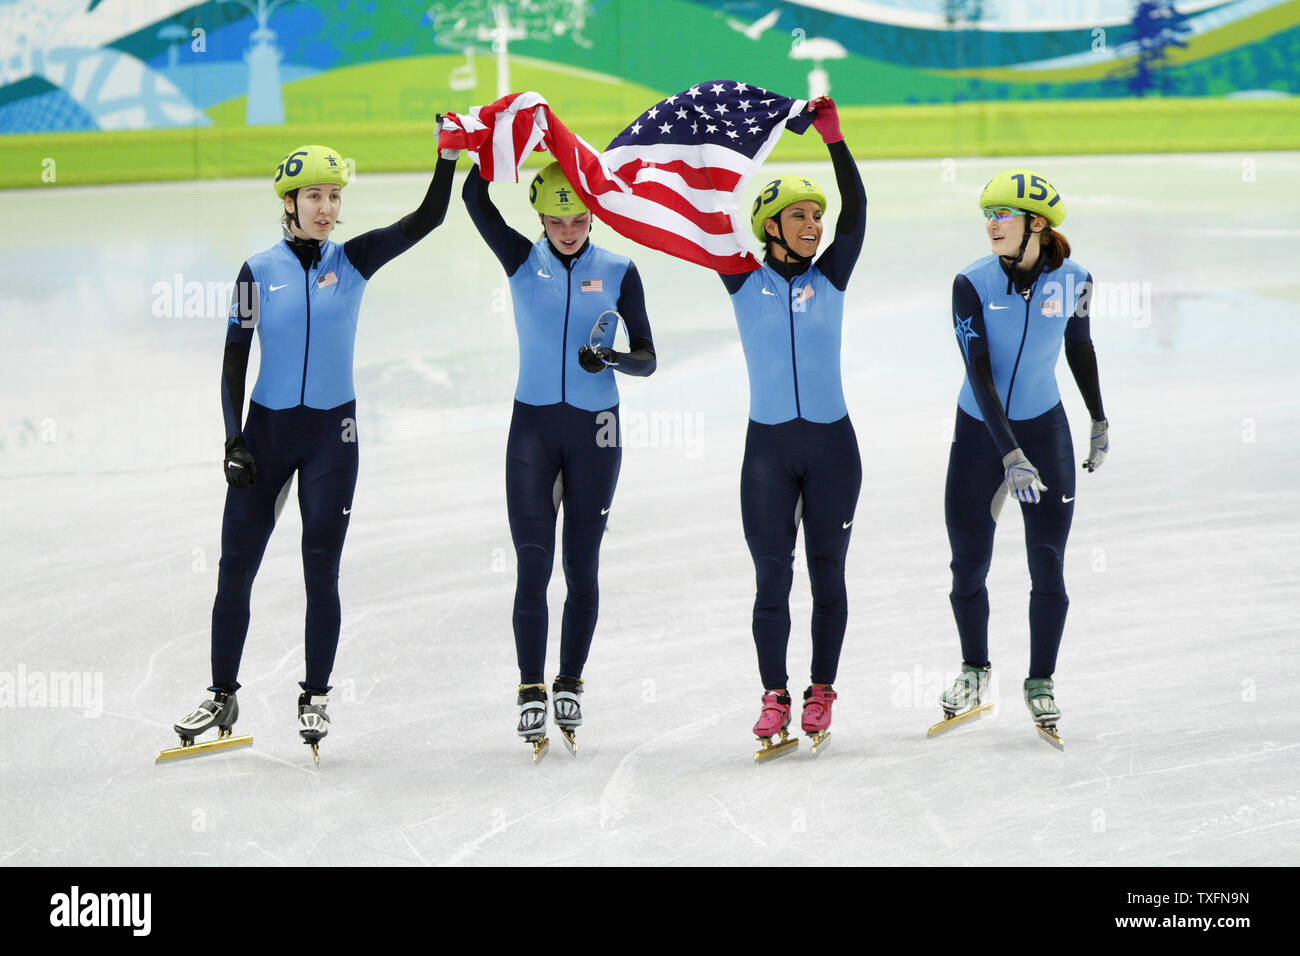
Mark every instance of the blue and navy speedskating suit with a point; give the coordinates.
(564, 443)
(1010, 337)
(303, 300)
(801, 454)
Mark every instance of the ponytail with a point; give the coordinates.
(1054, 248)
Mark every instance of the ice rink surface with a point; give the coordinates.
(1178, 676)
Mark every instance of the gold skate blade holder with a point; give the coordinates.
(820, 741)
(186, 751)
(570, 742)
(786, 745)
(540, 746)
(1051, 736)
(952, 720)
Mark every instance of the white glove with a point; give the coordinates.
(1022, 479)
(444, 153)
(1100, 445)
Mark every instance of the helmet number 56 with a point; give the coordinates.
(291, 165)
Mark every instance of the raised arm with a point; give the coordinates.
(510, 248)
(372, 249)
(837, 262)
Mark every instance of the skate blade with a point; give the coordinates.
(315, 753)
(570, 742)
(820, 741)
(952, 721)
(770, 750)
(540, 747)
(1051, 736)
(207, 747)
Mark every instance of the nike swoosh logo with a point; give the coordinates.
(998, 308)
(604, 511)
(542, 274)
(768, 292)
(347, 511)
(847, 523)
(1065, 500)
(277, 287)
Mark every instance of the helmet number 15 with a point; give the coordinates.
(293, 165)
(1040, 188)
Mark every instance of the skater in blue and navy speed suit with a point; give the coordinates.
(302, 298)
(1011, 311)
(801, 454)
(564, 434)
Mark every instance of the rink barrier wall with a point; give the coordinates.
(1171, 125)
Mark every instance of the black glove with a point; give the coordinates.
(241, 470)
(596, 360)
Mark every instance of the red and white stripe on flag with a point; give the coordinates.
(679, 199)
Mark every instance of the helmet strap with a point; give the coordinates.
(1024, 244)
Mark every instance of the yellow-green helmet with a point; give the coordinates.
(1025, 189)
(778, 194)
(310, 166)
(551, 194)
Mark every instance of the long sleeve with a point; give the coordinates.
(968, 323)
(837, 262)
(640, 361)
(510, 248)
(372, 249)
(1081, 356)
(239, 340)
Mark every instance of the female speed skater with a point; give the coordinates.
(801, 461)
(564, 440)
(303, 297)
(1011, 310)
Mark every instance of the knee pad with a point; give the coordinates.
(773, 578)
(1046, 570)
(827, 580)
(533, 569)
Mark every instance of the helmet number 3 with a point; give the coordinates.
(1040, 188)
(293, 166)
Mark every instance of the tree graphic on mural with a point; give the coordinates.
(958, 12)
(1157, 27)
(460, 24)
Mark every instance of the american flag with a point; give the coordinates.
(328, 278)
(673, 180)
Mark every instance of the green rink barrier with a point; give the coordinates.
(1157, 125)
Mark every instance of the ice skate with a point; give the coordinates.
(966, 699)
(775, 719)
(532, 718)
(816, 721)
(313, 722)
(568, 709)
(220, 710)
(1040, 698)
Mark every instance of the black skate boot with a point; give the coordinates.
(220, 710)
(532, 718)
(313, 722)
(568, 709)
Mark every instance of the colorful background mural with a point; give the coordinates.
(158, 89)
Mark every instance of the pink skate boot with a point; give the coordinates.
(775, 719)
(816, 722)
